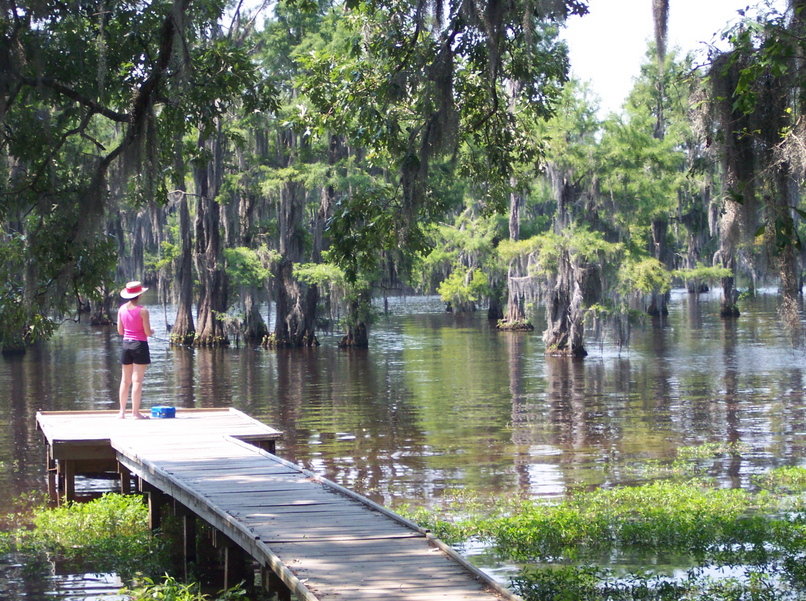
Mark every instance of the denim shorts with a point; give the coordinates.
(135, 351)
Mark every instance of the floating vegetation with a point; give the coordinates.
(110, 534)
(169, 589)
(791, 480)
(736, 544)
(690, 461)
(587, 583)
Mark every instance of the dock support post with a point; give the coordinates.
(50, 468)
(67, 480)
(187, 533)
(236, 562)
(276, 585)
(156, 499)
(235, 566)
(125, 479)
(189, 540)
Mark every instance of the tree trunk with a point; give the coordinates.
(209, 256)
(658, 303)
(183, 331)
(495, 310)
(786, 196)
(296, 303)
(295, 320)
(738, 159)
(660, 19)
(564, 311)
(254, 329)
(101, 311)
(515, 318)
(357, 335)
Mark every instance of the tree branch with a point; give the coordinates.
(73, 95)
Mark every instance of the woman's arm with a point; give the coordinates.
(120, 323)
(146, 322)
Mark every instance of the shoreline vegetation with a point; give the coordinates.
(726, 544)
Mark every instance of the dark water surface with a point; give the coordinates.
(444, 402)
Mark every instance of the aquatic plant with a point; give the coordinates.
(756, 538)
(663, 516)
(690, 461)
(589, 583)
(111, 534)
(169, 589)
(788, 479)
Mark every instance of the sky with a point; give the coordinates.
(608, 45)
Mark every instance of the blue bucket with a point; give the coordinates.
(163, 411)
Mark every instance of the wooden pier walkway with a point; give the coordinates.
(321, 541)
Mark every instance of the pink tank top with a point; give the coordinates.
(132, 323)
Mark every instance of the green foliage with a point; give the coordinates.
(661, 516)
(691, 461)
(509, 250)
(326, 275)
(463, 259)
(93, 89)
(355, 294)
(425, 99)
(462, 290)
(710, 450)
(169, 589)
(764, 38)
(562, 583)
(790, 480)
(703, 273)
(170, 252)
(20, 323)
(110, 534)
(644, 275)
(246, 266)
(582, 245)
(641, 171)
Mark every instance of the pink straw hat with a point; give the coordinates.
(132, 290)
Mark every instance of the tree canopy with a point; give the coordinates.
(339, 150)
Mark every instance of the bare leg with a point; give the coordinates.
(137, 390)
(125, 385)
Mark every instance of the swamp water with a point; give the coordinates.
(442, 403)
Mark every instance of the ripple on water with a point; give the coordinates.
(22, 581)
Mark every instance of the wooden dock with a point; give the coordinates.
(311, 537)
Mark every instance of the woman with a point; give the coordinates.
(135, 327)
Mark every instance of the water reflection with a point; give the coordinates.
(444, 401)
(43, 581)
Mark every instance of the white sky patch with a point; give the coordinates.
(608, 45)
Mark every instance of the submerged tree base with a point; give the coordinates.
(13, 351)
(356, 337)
(574, 352)
(211, 341)
(514, 326)
(654, 311)
(272, 341)
(181, 339)
(729, 311)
